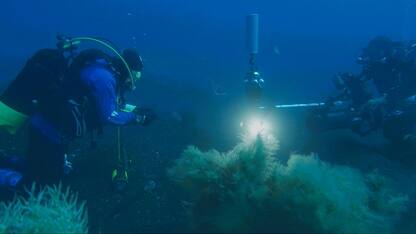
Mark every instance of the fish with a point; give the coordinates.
(217, 89)
(276, 50)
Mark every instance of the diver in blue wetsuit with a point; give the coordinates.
(88, 97)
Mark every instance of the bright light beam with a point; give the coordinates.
(256, 127)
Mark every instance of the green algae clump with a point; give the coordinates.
(249, 190)
(51, 210)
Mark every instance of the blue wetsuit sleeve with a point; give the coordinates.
(102, 86)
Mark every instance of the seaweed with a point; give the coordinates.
(49, 210)
(249, 190)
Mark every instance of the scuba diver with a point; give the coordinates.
(64, 95)
(386, 63)
(390, 66)
(390, 69)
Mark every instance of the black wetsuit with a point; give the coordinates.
(52, 123)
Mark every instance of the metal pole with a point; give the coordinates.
(253, 34)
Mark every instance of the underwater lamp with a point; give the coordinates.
(256, 127)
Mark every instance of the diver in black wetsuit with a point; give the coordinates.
(62, 103)
(388, 65)
(391, 67)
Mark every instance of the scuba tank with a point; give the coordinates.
(39, 79)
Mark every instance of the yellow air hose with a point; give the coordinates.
(77, 40)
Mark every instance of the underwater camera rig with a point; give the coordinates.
(253, 80)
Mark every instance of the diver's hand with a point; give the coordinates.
(144, 116)
(374, 111)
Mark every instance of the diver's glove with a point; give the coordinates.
(144, 116)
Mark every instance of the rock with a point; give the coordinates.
(150, 186)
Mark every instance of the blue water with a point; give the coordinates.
(193, 48)
(201, 40)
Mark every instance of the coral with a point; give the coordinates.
(51, 210)
(249, 190)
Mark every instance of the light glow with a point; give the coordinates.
(256, 127)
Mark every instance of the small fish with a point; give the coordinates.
(276, 50)
(129, 14)
(177, 117)
(218, 89)
(150, 186)
(186, 204)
